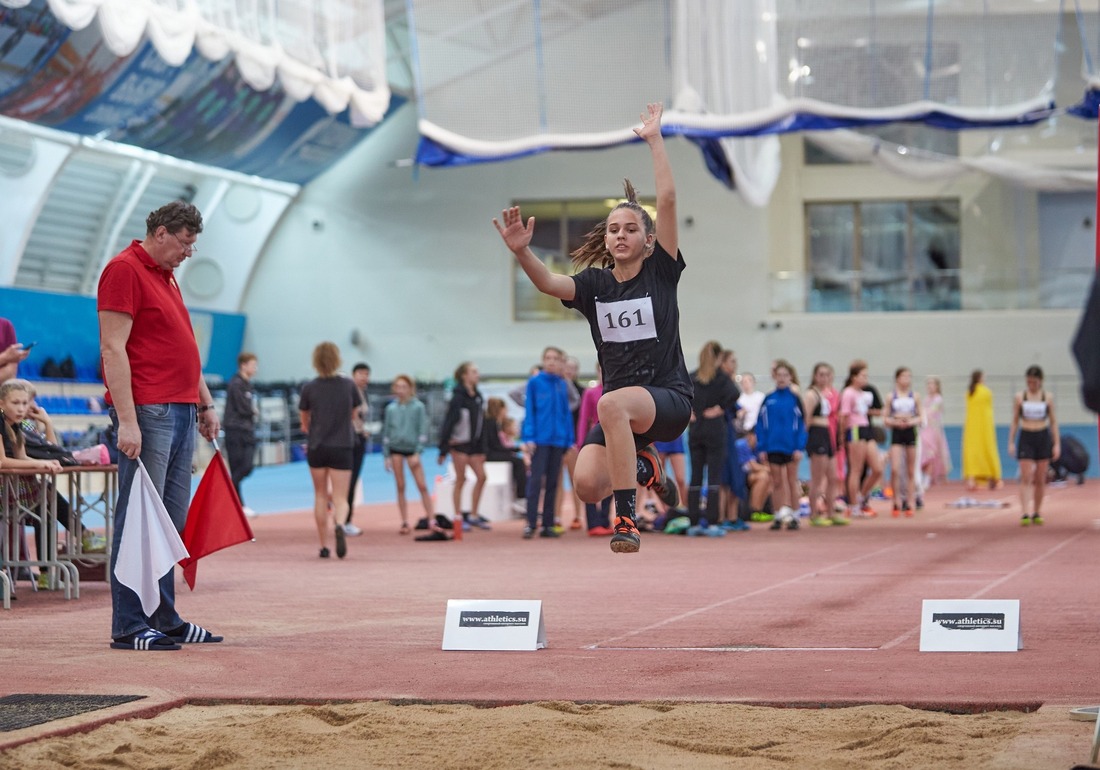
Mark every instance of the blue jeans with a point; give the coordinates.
(545, 469)
(167, 449)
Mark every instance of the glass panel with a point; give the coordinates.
(936, 262)
(831, 257)
(883, 234)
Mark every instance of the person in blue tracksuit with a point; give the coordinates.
(547, 432)
(780, 437)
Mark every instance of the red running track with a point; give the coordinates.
(817, 617)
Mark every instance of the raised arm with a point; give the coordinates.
(517, 237)
(667, 226)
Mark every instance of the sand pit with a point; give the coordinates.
(567, 735)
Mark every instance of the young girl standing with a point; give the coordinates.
(817, 405)
(903, 415)
(1039, 443)
(855, 428)
(935, 456)
(628, 295)
(463, 437)
(780, 438)
(326, 407)
(404, 433)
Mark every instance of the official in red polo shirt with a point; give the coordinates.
(155, 391)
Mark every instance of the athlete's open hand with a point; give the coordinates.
(651, 126)
(516, 235)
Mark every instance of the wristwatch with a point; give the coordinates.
(205, 407)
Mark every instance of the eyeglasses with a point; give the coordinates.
(187, 248)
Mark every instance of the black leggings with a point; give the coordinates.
(708, 451)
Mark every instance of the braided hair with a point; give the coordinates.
(594, 249)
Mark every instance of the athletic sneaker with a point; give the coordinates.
(920, 503)
(738, 526)
(839, 521)
(658, 481)
(820, 521)
(1025, 521)
(1036, 519)
(792, 523)
(341, 543)
(625, 539)
(528, 533)
(761, 516)
(908, 511)
(550, 533)
(351, 530)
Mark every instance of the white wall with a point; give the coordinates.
(417, 267)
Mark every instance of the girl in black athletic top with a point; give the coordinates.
(627, 291)
(1034, 424)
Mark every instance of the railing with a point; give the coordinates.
(855, 291)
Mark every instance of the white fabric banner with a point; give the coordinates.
(150, 545)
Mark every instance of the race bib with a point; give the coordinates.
(628, 320)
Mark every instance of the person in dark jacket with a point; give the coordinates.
(463, 438)
(780, 437)
(715, 393)
(239, 423)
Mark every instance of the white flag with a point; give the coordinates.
(150, 545)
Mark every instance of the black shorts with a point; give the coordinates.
(903, 436)
(860, 433)
(779, 458)
(670, 422)
(334, 458)
(403, 452)
(818, 441)
(472, 448)
(1035, 445)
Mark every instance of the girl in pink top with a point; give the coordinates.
(855, 431)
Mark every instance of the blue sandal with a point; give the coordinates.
(147, 640)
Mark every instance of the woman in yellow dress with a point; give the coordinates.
(981, 459)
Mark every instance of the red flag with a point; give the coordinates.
(215, 519)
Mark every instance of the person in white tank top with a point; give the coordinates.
(903, 415)
(1034, 440)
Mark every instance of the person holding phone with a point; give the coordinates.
(11, 352)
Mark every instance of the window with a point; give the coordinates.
(883, 256)
(560, 227)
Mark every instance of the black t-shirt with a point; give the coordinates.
(329, 401)
(635, 324)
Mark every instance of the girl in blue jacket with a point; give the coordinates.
(780, 437)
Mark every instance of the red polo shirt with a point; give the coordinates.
(164, 357)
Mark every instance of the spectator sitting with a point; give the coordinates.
(758, 479)
(15, 408)
(502, 448)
